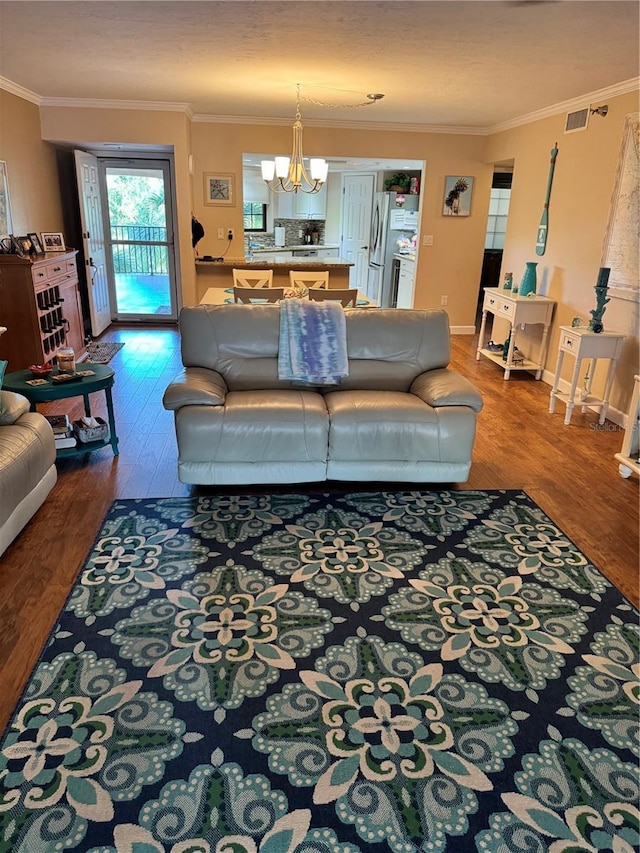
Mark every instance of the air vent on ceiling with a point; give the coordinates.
(577, 120)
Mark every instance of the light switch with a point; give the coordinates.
(427, 240)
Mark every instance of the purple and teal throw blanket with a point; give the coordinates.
(313, 342)
(370, 672)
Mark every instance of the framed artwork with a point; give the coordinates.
(5, 204)
(457, 195)
(219, 189)
(25, 244)
(53, 241)
(35, 242)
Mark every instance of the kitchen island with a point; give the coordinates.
(219, 273)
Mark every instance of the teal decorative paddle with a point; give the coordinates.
(543, 228)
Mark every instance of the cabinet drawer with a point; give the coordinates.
(39, 274)
(491, 301)
(506, 308)
(569, 342)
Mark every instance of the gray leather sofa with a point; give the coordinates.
(401, 415)
(27, 464)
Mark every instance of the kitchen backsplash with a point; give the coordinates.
(294, 230)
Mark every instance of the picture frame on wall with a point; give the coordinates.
(458, 190)
(6, 225)
(52, 241)
(35, 242)
(219, 189)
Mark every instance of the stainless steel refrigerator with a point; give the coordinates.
(382, 246)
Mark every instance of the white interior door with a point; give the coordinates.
(357, 201)
(93, 241)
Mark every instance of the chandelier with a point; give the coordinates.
(289, 174)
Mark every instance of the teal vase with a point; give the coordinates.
(529, 279)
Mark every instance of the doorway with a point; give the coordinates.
(137, 211)
(495, 233)
(357, 203)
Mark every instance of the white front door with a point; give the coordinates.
(93, 241)
(357, 200)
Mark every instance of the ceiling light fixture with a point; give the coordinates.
(289, 174)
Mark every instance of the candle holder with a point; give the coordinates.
(595, 324)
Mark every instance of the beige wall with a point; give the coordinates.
(584, 180)
(31, 168)
(90, 128)
(451, 267)
(583, 183)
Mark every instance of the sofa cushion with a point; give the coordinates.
(262, 426)
(381, 425)
(12, 407)
(387, 348)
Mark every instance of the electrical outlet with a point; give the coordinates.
(230, 234)
(444, 300)
(427, 240)
(220, 233)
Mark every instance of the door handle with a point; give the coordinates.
(364, 247)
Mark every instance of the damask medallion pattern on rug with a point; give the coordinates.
(401, 671)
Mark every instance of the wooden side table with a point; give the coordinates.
(102, 380)
(517, 310)
(581, 343)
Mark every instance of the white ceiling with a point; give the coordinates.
(456, 64)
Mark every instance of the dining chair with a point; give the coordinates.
(348, 297)
(310, 280)
(247, 295)
(252, 278)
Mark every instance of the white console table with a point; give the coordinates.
(581, 343)
(629, 456)
(518, 310)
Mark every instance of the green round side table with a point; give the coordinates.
(102, 380)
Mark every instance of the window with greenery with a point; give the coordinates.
(255, 216)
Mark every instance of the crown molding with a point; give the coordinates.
(351, 125)
(112, 104)
(623, 88)
(19, 91)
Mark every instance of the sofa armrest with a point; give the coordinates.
(195, 386)
(444, 387)
(12, 407)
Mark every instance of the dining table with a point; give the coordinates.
(224, 295)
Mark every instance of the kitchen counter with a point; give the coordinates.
(219, 273)
(297, 247)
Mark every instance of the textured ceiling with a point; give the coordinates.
(459, 63)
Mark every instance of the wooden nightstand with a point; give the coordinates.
(581, 343)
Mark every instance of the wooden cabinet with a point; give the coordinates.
(40, 306)
(307, 206)
(406, 281)
(300, 205)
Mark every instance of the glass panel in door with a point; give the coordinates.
(141, 239)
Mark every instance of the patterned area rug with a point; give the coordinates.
(397, 671)
(102, 353)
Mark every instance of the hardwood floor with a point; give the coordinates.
(568, 470)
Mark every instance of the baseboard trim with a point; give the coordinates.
(463, 330)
